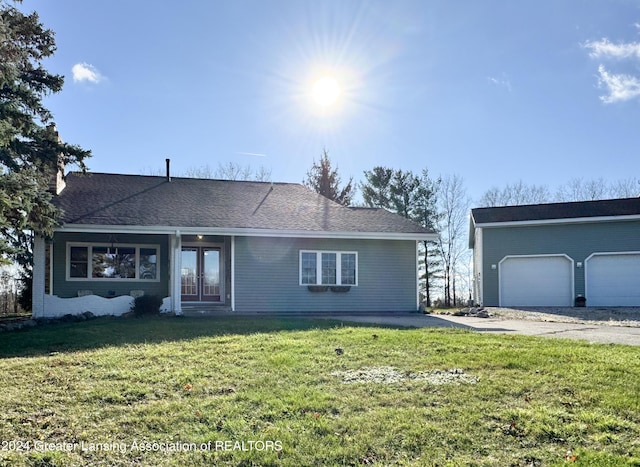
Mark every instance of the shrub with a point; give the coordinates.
(146, 305)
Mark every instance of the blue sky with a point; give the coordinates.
(494, 91)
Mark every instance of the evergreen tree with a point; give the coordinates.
(425, 212)
(411, 196)
(30, 150)
(376, 190)
(324, 179)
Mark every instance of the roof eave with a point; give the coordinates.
(569, 220)
(246, 232)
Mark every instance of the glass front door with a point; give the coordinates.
(201, 274)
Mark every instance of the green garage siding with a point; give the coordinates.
(67, 289)
(578, 241)
(267, 276)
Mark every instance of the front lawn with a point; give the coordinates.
(263, 391)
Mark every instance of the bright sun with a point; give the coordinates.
(326, 91)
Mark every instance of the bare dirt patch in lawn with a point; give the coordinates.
(610, 316)
(390, 375)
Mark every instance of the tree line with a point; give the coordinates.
(576, 189)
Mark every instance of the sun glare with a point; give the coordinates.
(326, 91)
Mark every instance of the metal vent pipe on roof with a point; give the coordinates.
(168, 170)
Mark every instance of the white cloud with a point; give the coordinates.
(620, 87)
(606, 49)
(502, 82)
(85, 72)
(257, 154)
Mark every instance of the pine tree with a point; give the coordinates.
(411, 196)
(30, 150)
(324, 179)
(376, 190)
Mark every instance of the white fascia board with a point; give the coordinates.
(242, 232)
(572, 220)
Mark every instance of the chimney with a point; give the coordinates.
(168, 170)
(56, 170)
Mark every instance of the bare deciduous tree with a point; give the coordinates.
(576, 189)
(9, 290)
(625, 188)
(579, 189)
(231, 171)
(454, 204)
(515, 194)
(228, 171)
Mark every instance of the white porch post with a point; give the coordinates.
(39, 263)
(176, 272)
(417, 274)
(233, 273)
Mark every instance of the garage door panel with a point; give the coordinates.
(536, 281)
(613, 280)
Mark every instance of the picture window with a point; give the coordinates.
(328, 268)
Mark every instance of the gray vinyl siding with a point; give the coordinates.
(578, 241)
(267, 276)
(67, 289)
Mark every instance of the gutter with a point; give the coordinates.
(246, 232)
(566, 220)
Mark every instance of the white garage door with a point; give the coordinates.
(613, 280)
(536, 281)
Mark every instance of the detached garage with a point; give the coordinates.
(536, 281)
(557, 254)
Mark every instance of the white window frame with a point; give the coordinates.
(318, 254)
(90, 246)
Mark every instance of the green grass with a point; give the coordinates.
(263, 380)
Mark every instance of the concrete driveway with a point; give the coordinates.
(600, 333)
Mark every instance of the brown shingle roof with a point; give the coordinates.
(136, 200)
